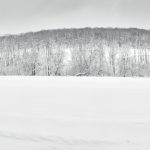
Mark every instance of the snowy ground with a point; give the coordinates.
(74, 113)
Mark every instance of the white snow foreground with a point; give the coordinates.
(41, 113)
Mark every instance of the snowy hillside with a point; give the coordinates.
(71, 52)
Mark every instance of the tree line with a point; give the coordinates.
(77, 52)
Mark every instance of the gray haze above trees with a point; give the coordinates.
(77, 52)
(19, 16)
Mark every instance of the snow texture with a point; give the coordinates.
(73, 113)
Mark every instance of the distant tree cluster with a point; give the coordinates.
(77, 52)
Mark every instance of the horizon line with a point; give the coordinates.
(70, 28)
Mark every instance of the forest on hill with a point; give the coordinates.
(77, 52)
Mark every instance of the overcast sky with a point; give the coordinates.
(31, 15)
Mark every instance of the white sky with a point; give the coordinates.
(31, 15)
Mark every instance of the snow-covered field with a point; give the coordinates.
(41, 113)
